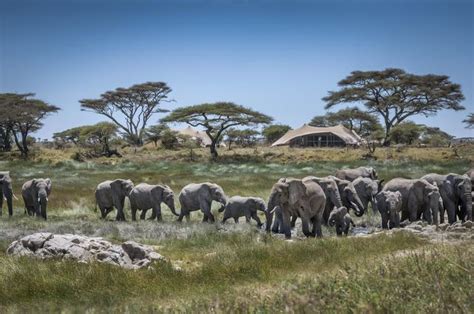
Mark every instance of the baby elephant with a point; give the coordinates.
(35, 195)
(145, 196)
(389, 204)
(340, 218)
(239, 206)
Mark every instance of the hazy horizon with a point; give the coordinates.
(277, 57)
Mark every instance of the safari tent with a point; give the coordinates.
(310, 136)
(199, 136)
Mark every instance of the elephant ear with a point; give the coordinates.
(297, 191)
(117, 187)
(48, 185)
(448, 188)
(158, 190)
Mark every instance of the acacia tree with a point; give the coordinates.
(396, 95)
(154, 133)
(130, 108)
(469, 121)
(22, 116)
(362, 122)
(274, 132)
(215, 118)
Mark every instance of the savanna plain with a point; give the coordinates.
(232, 267)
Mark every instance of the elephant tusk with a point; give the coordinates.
(14, 196)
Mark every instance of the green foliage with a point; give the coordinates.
(244, 138)
(169, 139)
(406, 133)
(320, 121)
(435, 136)
(130, 108)
(469, 121)
(20, 115)
(362, 122)
(154, 133)
(397, 95)
(217, 117)
(274, 132)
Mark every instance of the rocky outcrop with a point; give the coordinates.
(130, 254)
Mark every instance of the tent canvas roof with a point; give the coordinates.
(348, 136)
(196, 134)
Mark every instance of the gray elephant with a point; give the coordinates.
(35, 195)
(6, 192)
(350, 198)
(145, 196)
(456, 192)
(197, 196)
(304, 199)
(238, 206)
(110, 194)
(275, 201)
(340, 218)
(366, 189)
(331, 190)
(389, 205)
(419, 198)
(352, 174)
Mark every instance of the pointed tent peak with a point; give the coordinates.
(348, 136)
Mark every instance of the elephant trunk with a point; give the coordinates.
(272, 203)
(173, 209)
(43, 202)
(467, 204)
(8, 194)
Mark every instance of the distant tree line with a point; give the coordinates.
(389, 98)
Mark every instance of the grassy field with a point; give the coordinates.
(228, 268)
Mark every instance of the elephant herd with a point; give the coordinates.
(314, 200)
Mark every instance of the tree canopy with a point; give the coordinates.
(274, 132)
(396, 95)
(362, 122)
(20, 115)
(469, 121)
(215, 118)
(130, 108)
(155, 132)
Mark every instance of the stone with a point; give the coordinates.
(130, 254)
(467, 224)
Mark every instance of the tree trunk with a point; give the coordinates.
(386, 140)
(213, 149)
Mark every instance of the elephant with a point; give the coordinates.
(145, 196)
(278, 193)
(470, 174)
(197, 196)
(366, 189)
(238, 206)
(419, 197)
(340, 218)
(331, 190)
(389, 205)
(456, 192)
(304, 199)
(110, 194)
(350, 198)
(352, 174)
(35, 195)
(6, 191)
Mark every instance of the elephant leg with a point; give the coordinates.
(428, 216)
(293, 221)
(134, 213)
(305, 227)
(413, 214)
(441, 214)
(257, 219)
(157, 213)
(188, 217)
(224, 219)
(317, 230)
(206, 209)
(236, 220)
(384, 222)
(182, 214)
(205, 218)
(247, 218)
(143, 214)
(451, 209)
(286, 224)
(276, 226)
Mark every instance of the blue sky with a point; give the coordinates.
(278, 57)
